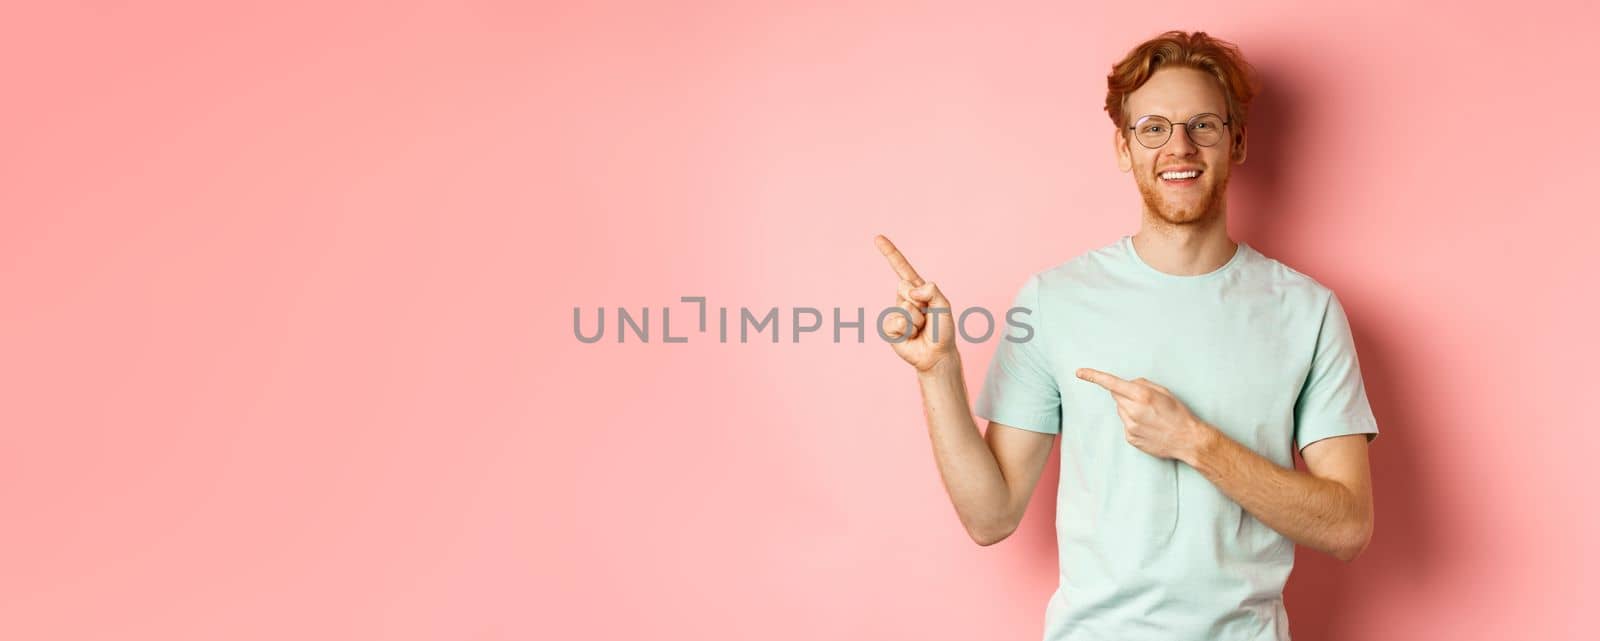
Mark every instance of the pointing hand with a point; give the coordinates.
(923, 341)
(1153, 419)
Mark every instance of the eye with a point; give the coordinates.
(1153, 129)
(1202, 125)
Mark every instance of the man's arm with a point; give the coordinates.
(988, 481)
(990, 478)
(1329, 509)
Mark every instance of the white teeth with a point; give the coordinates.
(1179, 175)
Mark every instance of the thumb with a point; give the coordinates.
(929, 293)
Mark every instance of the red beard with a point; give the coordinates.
(1210, 204)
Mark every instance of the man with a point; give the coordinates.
(1180, 369)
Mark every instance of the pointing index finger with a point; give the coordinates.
(897, 261)
(1111, 382)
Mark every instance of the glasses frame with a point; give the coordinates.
(1170, 125)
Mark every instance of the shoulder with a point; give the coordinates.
(1293, 285)
(1088, 268)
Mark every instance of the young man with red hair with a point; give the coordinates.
(1181, 371)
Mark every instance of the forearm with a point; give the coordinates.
(1319, 513)
(968, 467)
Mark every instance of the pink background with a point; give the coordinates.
(287, 347)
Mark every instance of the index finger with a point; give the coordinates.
(897, 261)
(1111, 382)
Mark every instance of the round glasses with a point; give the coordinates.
(1204, 130)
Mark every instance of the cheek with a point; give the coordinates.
(1143, 162)
(1220, 167)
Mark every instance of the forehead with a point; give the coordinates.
(1177, 93)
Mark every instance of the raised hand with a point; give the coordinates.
(920, 342)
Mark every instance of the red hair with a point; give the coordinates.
(1197, 50)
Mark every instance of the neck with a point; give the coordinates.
(1188, 249)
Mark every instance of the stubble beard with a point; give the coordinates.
(1209, 209)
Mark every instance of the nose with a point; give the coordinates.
(1178, 144)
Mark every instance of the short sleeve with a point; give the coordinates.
(1019, 389)
(1333, 399)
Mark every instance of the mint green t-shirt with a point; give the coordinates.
(1149, 549)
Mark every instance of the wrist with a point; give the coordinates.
(945, 368)
(1201, 444)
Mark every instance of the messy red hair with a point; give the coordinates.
(1197, 50)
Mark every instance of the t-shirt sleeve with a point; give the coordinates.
(1020, 389)
(1333, 399)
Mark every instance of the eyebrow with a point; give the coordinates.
(1133, 121)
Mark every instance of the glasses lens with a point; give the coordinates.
(1205, 130)
(1152, 131)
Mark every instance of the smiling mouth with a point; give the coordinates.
(1180, 177)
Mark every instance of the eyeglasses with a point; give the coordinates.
(1203, 130)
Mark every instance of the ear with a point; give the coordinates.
(1240, 145)
(1124, 158)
